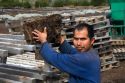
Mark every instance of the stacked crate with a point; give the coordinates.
(118, 47)
(18, 63)
(103, 45)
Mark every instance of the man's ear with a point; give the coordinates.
(92, 40)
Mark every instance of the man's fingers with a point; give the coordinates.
(35, 33)
(35, 37)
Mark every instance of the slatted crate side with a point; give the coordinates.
(13, 50)
(102, 39)
(105, 54)
(23, 46)
(101, 24)
(25, 60)
(95, 20)
(21, 72)
(15, 41)
(102, 44)
(118, 50)
(17, 78)
(68, 24)
(104, 49)
(101, 32)
(118, 42)
(118, 47)
(3, 53)
(107, 58)
(100, 18)
(119, 56)
(3, 80)
(106, 67)
(68, 21)
(90, 19)
(109, 65)
(11, 36)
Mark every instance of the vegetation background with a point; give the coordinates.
(49, 3)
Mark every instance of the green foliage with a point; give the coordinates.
(41, 3)
(61, 3)
(58, 3)
(83, 3)
(14, 3)
(98, 2)
(26, 5)
(54, 3)
(9, 3)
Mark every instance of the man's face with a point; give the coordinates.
(81, 40)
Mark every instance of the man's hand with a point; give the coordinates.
(62, 37)
(40, 36)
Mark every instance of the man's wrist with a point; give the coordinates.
(43, 41)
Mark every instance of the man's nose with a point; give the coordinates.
(79, 42)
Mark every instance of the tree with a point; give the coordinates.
(98, 2)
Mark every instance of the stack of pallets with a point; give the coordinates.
(18, 63)
(118, 47)
(103, 45)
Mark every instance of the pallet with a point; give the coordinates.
(106, 59)
(105, 53)
(118, 42)
(109, 65)
(119, 56)
(15, 41)
(26, 75)
(101, 32)
(24, 47)
(102, 39)
(25, 60)
(10, 36)
(13, 50)
(3, 53)
(118, 50)
(102, 44)
(104, 49)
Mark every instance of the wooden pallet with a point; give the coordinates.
(109, 65)
(106, 59)
(105, 53)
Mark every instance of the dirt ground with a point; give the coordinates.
(115, 75)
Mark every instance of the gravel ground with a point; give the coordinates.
(115, 75)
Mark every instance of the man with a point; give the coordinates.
(82, 63)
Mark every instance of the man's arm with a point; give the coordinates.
(64, 62)
(65, 47)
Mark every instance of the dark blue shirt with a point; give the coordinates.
(82, 67)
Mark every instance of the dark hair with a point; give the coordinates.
(88, 27)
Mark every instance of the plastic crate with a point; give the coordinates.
(117, 9)
(117, 31)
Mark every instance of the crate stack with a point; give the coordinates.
(118, 47)
(103, 45)
(18, 63)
